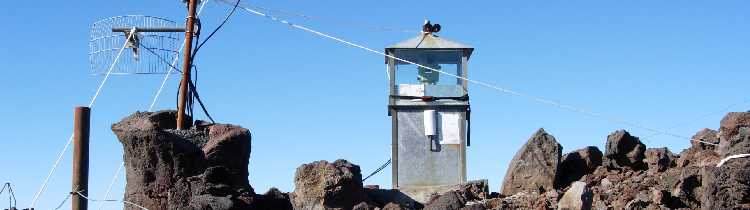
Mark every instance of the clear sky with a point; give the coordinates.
(663, 64)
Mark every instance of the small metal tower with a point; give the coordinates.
(429, 112)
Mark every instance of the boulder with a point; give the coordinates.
(739, 144)
(324, 185)
(474, 190)
(184, 169)
(576, 164)
(624, 150)
(229, 147)
(577, 197)
(448, 201)
(695, 157)
(534, 166)
(732, 122)
(273, 199)
(471, 190)
(701, 154)
(734, 134)
(664, 199)
(658, 159)
(705, 135)
(689, 187)
(728, 186)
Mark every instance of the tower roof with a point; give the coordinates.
(430, 41)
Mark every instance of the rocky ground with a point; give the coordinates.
(206, 168)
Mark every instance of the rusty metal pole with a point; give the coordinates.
(81, 123)
(182, 123)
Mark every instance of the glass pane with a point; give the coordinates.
(412, 74)
(447, 61)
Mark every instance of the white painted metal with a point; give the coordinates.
(430, 123)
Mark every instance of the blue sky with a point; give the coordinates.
(305, 98)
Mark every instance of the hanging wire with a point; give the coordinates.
(200, 102)
(108, 200)
(536, 99)
(112, 183)
(64, 201)
(378, 170)
(336, 21)
(11, 195)
(700, 118)
(226, 19)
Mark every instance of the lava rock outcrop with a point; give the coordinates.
(197, 168)
(624, 150)
(205, 167)
(534, 166)
(577, 164)
(322, 185)
(634, 177)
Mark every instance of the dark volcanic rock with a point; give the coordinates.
(534, 166)
(689, 187)
(576, 164)
(705, 135)
(229, 147)
(728, 186)
(659, 159)
(700, 154)
(474, 190)
(324, 185)
(578, 197)
(633, 177)
(169, 169)
(273, 199)
(732, 122)
(693, 157)
(624, 150)
(734, 134)
(448, 201)
(664, 198)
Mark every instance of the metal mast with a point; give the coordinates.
(186, 66)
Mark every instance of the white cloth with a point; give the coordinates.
(449, 128)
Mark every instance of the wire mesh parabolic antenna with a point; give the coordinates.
(152, 50)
